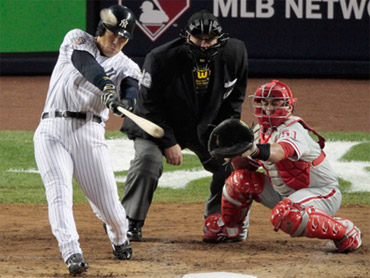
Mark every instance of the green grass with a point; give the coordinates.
(360, 152)
(16, 152)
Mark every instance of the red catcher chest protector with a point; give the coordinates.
(296, 174)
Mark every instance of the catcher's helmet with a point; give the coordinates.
(273, 90)
(118, 19)
(204, 23)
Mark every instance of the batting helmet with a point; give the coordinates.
(204, 23)
(118, 19)
(273, 90)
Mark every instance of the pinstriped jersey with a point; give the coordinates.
(70, 91)
(306, 149)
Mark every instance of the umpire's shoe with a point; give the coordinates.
(134, 229)
(76, 264)
(122, 252)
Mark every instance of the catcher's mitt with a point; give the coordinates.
(230, 138)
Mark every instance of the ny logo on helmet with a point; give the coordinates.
(123, 23)
(154, 17)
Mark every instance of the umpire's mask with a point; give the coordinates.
(202, 25)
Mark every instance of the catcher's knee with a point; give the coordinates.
(244, 182)
(289, 217)
(237, 195)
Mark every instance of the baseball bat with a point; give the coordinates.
(148, 126)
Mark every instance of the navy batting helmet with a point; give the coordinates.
(119, 20)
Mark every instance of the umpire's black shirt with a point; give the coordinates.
(168, 95)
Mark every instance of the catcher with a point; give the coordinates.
(298, 185)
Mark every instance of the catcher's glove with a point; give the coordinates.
(231, 138)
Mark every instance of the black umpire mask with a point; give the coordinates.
(200, 24)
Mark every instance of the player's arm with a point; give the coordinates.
(272, 152)
(129, 92)
(89, 68)
(86, 64)
(232, 138)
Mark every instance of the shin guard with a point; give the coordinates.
(322, 225)
(237, 197)
(315, 223)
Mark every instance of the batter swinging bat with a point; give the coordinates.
(148, 126)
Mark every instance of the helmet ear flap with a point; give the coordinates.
(100, 30)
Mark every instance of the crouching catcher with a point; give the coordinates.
(298, 183)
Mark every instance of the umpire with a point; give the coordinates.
(189, 86)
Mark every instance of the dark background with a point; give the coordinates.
(277, 46)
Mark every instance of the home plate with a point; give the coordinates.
(217, 275)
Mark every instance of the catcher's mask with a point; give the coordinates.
(274, 90)
(199, 24)
(117, 19)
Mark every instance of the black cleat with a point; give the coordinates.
(122, 252)
(76, 264)
(134, 230)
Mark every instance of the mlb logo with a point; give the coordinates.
(154, 17)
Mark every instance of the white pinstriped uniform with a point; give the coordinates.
(323, 191)
(66, 147)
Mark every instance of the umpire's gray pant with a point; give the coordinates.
(146, 169)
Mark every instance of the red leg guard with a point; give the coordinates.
(237, 195)
(322, 225)
(287, 216)
(213, 223)
(315, 223)
(214, 229)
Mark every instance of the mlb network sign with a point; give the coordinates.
(154, 17)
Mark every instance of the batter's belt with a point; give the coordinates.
(70, 114)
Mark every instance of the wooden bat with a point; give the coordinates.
(148, 126)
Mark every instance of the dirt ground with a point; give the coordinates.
(172, 245)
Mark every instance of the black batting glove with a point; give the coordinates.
(109, 95)
(125, 103)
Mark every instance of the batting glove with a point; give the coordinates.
(125, 103)
(109, 95)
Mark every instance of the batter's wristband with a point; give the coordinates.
(263, 152)
(101, 81)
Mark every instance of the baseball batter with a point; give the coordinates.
(90, 75)
(299, 184)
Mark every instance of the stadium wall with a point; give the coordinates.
(293, 38)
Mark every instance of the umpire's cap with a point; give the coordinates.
(119, 19)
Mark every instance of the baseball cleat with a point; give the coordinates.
(352, 239)
(134, 230)
(123, 251)
(76, 264)
(211, 237)
(215, 231)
